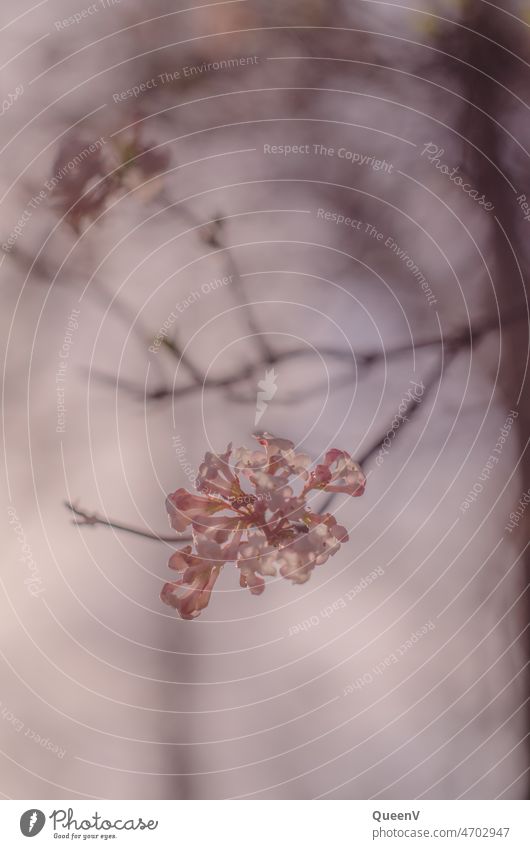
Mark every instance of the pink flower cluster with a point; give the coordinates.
(248, 512)
(88, 176)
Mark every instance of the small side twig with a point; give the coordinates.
(84, 518)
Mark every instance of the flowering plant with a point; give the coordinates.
(89, 175)
(264, 531)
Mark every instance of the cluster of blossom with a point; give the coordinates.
(268, 530)
(88, 177)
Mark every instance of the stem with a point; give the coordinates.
(84, 518)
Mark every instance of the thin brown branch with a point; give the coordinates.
(211, 233)
(410, 410)
(85, 518)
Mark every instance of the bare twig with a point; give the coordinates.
(410, 409)
(84, 518)
(211, 234)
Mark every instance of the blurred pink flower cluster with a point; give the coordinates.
(88, 175)
(252, 509)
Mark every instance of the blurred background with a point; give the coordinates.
(192, 195)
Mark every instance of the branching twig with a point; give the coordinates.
(211, 234)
